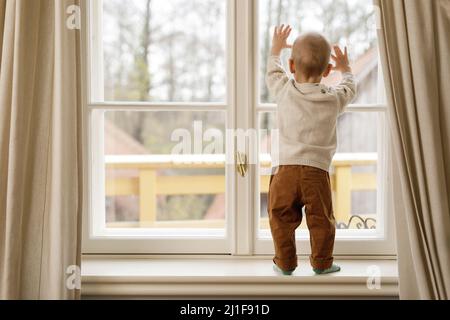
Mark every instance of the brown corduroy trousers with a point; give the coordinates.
(292, 188)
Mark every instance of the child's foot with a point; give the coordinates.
(277, 269)
(334, 268)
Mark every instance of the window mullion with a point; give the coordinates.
(137, 106)
(351, 108)
(243, 219)
(95, 67)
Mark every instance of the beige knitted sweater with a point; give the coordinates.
(307, 117)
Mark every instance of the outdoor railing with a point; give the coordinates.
(148, 185)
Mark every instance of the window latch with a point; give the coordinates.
(242, 164)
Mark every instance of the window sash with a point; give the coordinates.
(243, 95)
(95, 238)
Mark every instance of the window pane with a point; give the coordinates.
(165, 170)
(345, 22)
(353, 173)
(164, 51)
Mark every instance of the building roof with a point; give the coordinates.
(118, 142)
(361, 68)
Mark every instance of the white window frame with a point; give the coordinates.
(348, 242)
(96, 238)
(242, 194)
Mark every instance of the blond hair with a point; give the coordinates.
(311, 54)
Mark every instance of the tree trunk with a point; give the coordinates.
(265, 54)
(146, 39)
(143, 72)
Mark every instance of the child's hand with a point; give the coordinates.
(280, 37)
(341, 60)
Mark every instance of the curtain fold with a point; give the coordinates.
(40, 160)
(2, 22)
(415, 48)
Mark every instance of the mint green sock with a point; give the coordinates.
(277, 269)
(334, 268)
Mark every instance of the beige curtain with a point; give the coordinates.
(40, 116)
(415, 49)
(2, 21)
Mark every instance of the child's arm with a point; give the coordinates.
(276, 76)
(346, 90)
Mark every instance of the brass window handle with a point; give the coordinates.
(242, 164)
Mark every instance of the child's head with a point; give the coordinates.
(310, 60)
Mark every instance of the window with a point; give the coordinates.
(164, 51)
(169, 85)
(358, 170)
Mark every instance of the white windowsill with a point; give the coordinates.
(220, 277)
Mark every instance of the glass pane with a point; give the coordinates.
(164, 51)
(165, 170)
(353, 173)
(345, 22)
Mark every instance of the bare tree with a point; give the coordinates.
(116, 74)
(142, 73)
(266, 48)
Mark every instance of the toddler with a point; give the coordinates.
(307, 120)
